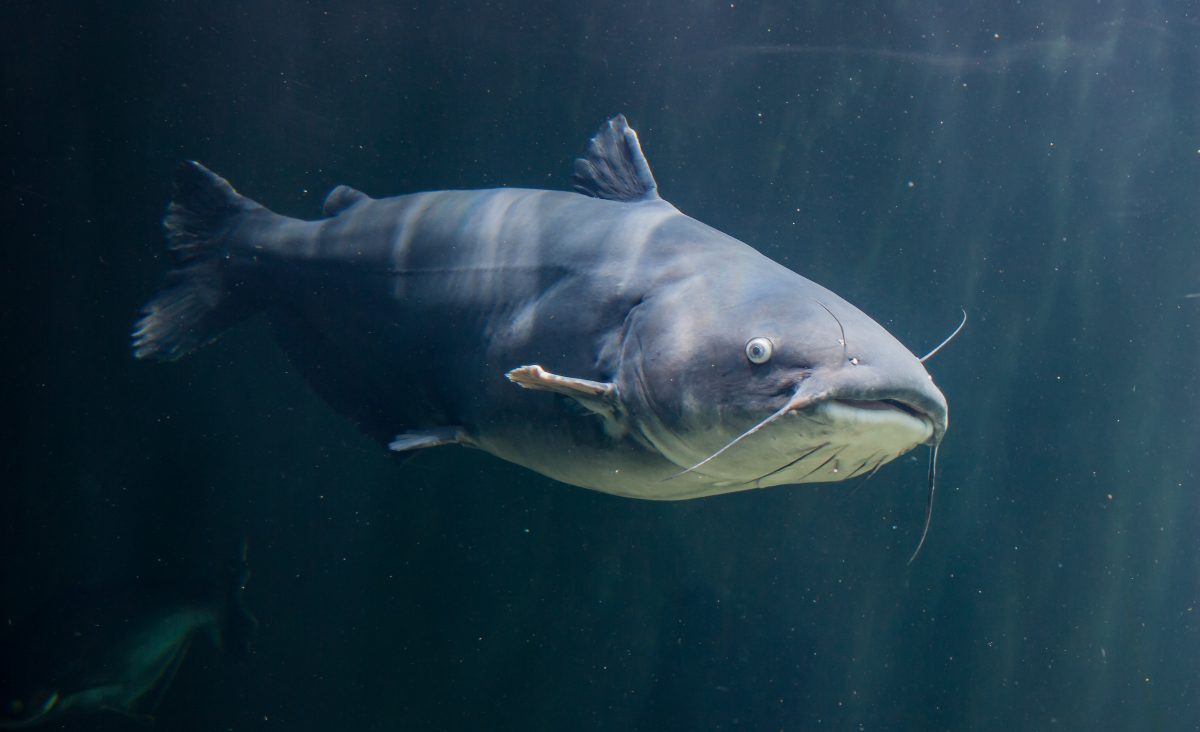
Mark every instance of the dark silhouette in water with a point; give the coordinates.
(113, 647)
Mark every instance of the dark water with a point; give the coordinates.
(1037, 164)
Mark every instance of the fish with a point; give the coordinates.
(598, 336)
(113, 647)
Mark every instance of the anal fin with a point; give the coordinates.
(433, 437)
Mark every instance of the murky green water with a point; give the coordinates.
(1036, 165)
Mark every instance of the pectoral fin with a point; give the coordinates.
(432, 437)
(599, 397)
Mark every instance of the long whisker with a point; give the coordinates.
(840, 328)
(933, 451)
(778, 413)
(949, 338)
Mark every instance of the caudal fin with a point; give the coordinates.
(195, 306)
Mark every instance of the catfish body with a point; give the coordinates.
(422, 316)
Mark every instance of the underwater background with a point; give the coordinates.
(1037, 164)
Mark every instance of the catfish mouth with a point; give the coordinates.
(837, 438)
(884, 404)
(894, 405)
(889, 424)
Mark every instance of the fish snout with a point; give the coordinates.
(872, 388)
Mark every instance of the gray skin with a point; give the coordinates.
(598, 337)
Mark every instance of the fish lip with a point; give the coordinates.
(905, 406)
(931, 410)
(886, 403)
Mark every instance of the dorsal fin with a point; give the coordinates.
(342, 198)
(615, 167)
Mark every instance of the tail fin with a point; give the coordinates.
(195, 306)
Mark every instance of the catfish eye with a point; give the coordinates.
(758, 350)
